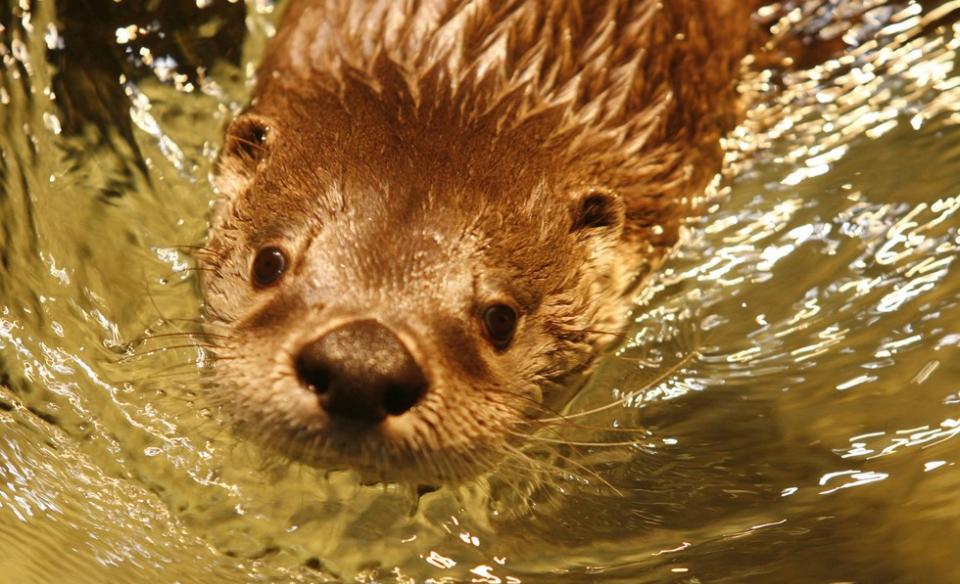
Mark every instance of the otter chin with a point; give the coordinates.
(432, 215)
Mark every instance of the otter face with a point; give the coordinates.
(403, 301)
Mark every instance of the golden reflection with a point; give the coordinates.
(810, 323)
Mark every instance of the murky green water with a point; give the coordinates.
(794, 367)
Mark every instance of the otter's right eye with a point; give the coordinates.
(500, 321)
(268, 266)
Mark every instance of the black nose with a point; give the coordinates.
(362, 371)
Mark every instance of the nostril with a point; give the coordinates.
(398, 399)
(313, 372)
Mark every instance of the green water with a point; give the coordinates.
(794, 367)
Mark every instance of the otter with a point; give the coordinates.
(432, 215)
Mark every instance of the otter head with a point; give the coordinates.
(402, 292)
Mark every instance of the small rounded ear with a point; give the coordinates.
(596, 208)
(247, 141)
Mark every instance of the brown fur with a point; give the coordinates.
(425, 158)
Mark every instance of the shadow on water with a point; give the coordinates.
(784, 409)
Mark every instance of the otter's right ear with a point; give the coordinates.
(247, 139)
(246, 144)
(597, 208)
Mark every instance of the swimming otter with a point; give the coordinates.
(432, 213)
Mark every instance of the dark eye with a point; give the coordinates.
(268, 266)
(501, 322)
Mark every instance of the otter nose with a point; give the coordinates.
(362, 371)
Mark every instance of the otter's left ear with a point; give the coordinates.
(596, 208)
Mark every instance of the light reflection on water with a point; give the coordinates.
(793, 366)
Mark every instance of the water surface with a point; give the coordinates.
(793, 370)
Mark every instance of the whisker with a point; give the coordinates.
(186, 246)
(190, 320)
(564, 423)
(592, 472)
(162, 349)
(666, 374)
(197, 269)
(570, 442)
(569, 460)
(559, 420)
(186, 334)
(567, 417)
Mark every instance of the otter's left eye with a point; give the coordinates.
(501, 322)
(268, 266)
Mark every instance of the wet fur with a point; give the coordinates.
(423, 158)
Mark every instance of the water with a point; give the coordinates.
(793, 367)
